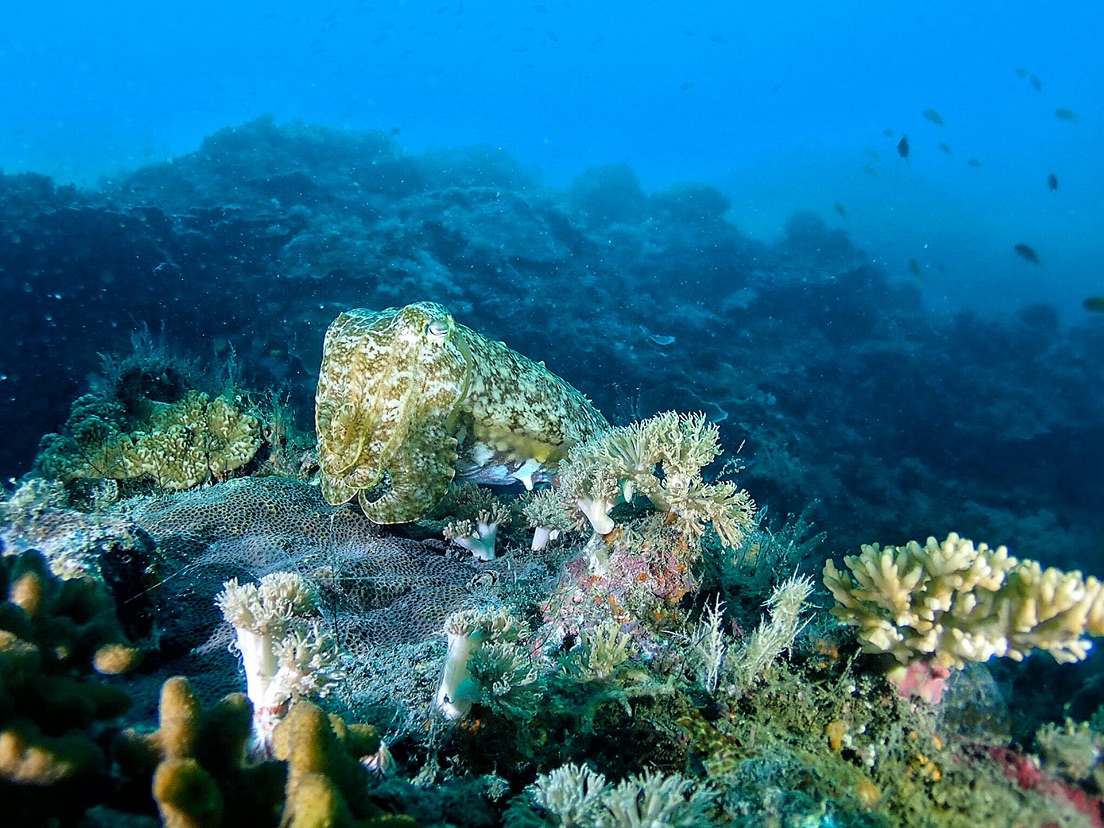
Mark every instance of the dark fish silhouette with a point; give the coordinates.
(914, 267)
(943, 146)
(887, 132)
(933, 116)
(840, 209)
(1027, 252)
(686, 85)
(1022, 73)
(1052, 183)
(903, 147)
(973, 162)
(1064, 114)
(1036, 84)
(1094, 304)
(869, 170)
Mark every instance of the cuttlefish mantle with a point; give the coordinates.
(408, 399)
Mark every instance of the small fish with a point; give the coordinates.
(1094, 304)
(914, 267)
(887, 132)
(903, 147)
(945, 147)
(1064, 114)
(840, 209)
(540, 8)
(1036, 84)
(1022, 73)
(973, 162)
(933, 116)
(1052, 183)
(718, 39)
(869, 170)
(1027, 252)
(686, 85)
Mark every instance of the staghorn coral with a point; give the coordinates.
(408, 399)
(54, 634)
(177, 445)
(953, 602)
(661, 458)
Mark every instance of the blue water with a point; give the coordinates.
(783, 105)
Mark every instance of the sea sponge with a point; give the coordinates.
(54, 634)
(953, 602)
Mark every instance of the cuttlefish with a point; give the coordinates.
(408, 399)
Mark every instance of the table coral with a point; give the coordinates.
(953, 602)
(409, 398)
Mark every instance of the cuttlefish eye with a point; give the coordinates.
(437, 330)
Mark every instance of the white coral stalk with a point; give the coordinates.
(458, 690)
(282, 657)
(478, 536)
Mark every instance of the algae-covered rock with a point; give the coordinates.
(176, 445)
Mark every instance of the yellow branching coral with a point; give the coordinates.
(953, 602)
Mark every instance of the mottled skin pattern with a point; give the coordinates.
(408, 399)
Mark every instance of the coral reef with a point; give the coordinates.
(177, 446)
(481, 411)
(194, 764)
(55, 635)
(662, 459)
(953, 602)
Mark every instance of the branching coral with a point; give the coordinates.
(954, 602)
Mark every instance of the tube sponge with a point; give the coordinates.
(954, 602)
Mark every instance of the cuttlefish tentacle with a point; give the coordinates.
(407, 398)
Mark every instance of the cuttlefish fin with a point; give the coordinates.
(420, 476)
(335, 490)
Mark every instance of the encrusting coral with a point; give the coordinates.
(411, 397)
(177, 445)
(953, 602)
